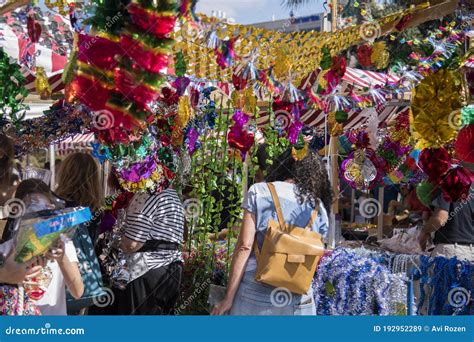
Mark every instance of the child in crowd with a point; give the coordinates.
(61, 268)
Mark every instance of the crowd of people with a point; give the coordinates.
(155, 229)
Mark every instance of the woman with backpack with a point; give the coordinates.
(296, 195)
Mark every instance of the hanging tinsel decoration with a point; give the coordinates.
(43, 88)
(12, 90)
(435, 100)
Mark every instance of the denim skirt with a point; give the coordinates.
(255, 298)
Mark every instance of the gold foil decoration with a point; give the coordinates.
(185, 112)
(43, 88)
(434, 104)
(380, 56)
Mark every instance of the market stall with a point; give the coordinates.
(167, 97)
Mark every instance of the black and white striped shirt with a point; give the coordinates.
(157, 217)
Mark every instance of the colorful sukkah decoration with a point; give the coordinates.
(120, 76)
(59, 122)
(425, 192)
(435, 99)
(12, 91)
(239, 137)
(445, 172)
(464, 145)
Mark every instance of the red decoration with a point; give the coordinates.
(239, 82)
(434, 162)
(364, 53)
(464, 144)
(404, 21)
(138, 93)
(456, 183)
(98, 51)
(158, 25)
(34, 28)
(240, 139)
(148, 60)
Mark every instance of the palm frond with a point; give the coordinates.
(295, 3)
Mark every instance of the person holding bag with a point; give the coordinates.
(280, 241)
(79, 185)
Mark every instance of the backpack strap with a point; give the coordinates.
(276, 202)
(312, 219)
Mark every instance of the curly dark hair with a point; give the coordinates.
(309, 175)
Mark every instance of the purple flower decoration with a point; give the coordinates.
(240, 119)
(139, 171)
(191, 139)
(294, 130)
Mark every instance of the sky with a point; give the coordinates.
(254, 11)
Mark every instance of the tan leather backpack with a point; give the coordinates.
(289, 254)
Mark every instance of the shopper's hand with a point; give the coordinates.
(423, 238)
(14, 273)
(56, 252)
(222, 307)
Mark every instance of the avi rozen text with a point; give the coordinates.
(418, 329)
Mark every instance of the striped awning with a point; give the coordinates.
(316, 118)
(51, 52)
(75, 143)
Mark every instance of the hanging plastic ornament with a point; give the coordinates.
(425, 192)
(180, 64)
(364, 53)
(434, 162)
(43, 88)
(282, 65)
(60, 6)
(464, 146)
(341, 116)
(435, 100)
(34, 28)
(326, 60)
(185, 112)
(456, 184)
(380, 56)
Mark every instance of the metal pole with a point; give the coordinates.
(353, 197)
(52, 166)
(380, 216)
(334, 15)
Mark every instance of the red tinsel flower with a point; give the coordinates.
(149, 60)
(239, 82)
(434, 162)
(464, 144)
(456, 183)
(98, 52)
(169, 97)
(150, 22)
(364, 53)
